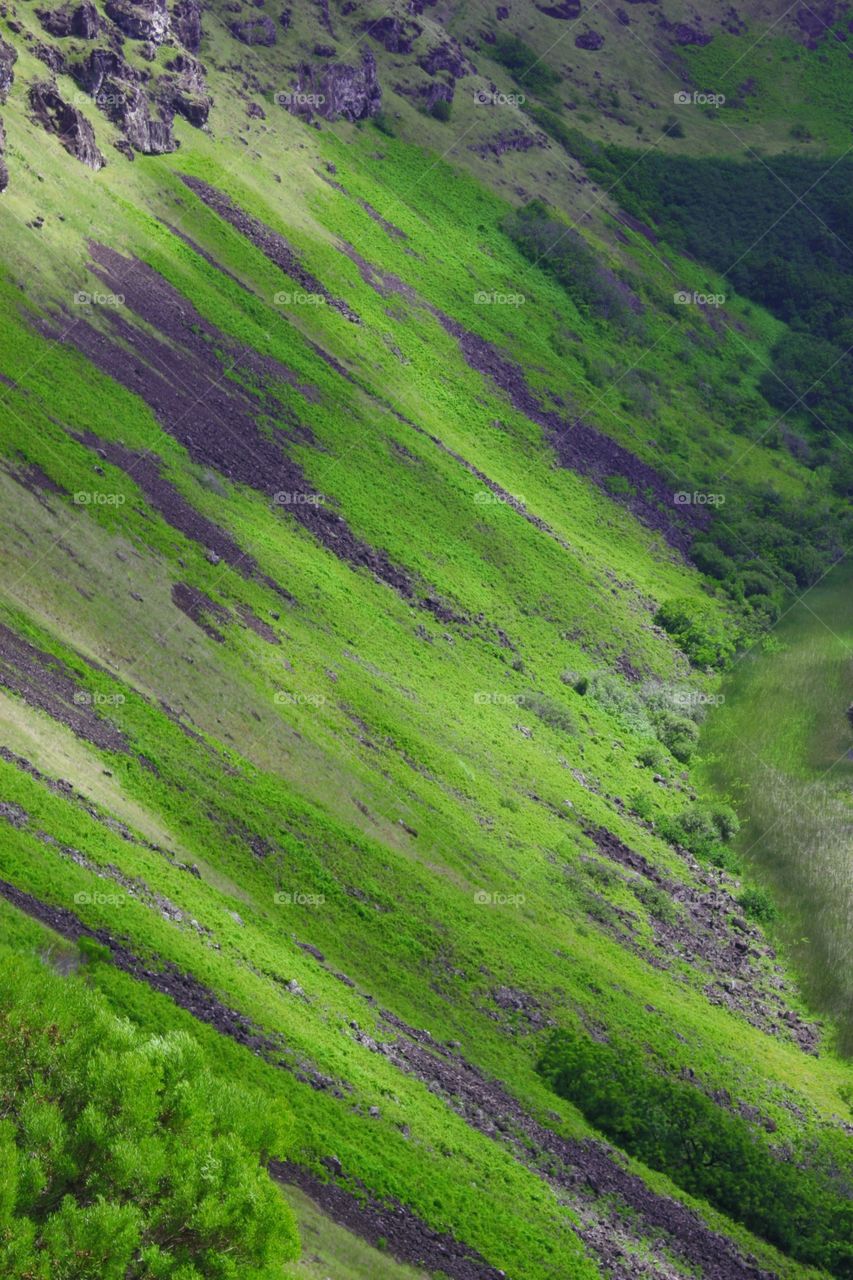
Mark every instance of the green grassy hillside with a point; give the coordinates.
(377, 528)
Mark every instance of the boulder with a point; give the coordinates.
(117, 91)
(254, 31)
(186, 24)
(590, 40)
(82, 21)
(339, 91)
(446, 57)
(147, 21)
(70, 125)
(8, 58)
(183, 91)
(393, 33)
(49, 54)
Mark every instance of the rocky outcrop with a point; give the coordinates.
(49, 54)
(186, 24)
(117, 91)
(393, 33)
(4, 172)
(8, 58)
(254, 31)
(590, 40)
(72, 128)
(446, 57)
(82, 21)
(147, 21)
(338, 91)
(183, 90)
(567, 9)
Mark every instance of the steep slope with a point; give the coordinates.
(359, 611)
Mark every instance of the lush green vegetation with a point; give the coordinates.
(390, 806)
(800, 1199)
(122, 1157)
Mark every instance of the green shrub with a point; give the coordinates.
(757, 904)
(679, 735)
(440, 110)
(698, 631)
(549, 712)
(544, 238)
(121, 1156)
(802, 1205)
(524, 64)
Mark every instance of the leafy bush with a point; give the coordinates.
(549, 712)
(121, 1156)
(440, 110)
(679, 735)
(698, 631)
(757, 904)
(802, 1207)
(524, 64)
(560, 250)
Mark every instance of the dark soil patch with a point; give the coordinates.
(145, 469)
(272, 244)
(188, 375)
(587, 1169)
(36, 481)
(200, 609)
(709, 932)
(578, 446)
(44, 682)
(404, 1234)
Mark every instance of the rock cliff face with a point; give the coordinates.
(114, 85)
(8, 58)
(82, 21)
(339, 91)
(186, 24)
(183, 91)
(70, 125)
(147, 21)
(254, 31)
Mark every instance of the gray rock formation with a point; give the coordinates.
(8, 58)
(65, 121)
(147, 21)
(116, 89)
(339, 91)
(82, 21)
(186, 24)
(254, 31)
(183, 91)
